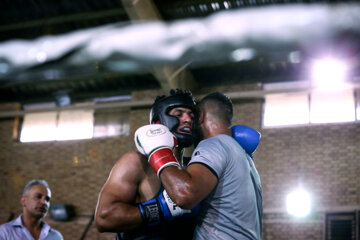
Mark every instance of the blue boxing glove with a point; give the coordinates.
(247, 137)
(162, 208)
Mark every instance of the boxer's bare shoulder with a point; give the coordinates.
(133, 168)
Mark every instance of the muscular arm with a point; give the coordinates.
(187, 187)
(116, 209)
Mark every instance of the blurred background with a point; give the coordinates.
(77, 78)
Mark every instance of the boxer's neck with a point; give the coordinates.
(178, 152)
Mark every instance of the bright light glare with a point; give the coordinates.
(328, 73)
(298, 203)
(243, 54)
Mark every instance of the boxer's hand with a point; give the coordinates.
(162, 208)
(171, 210)
(247, 137)
(156, 142)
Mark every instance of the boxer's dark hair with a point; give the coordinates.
(177, 92)
(225, 105)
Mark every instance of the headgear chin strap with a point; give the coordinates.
(161, 108)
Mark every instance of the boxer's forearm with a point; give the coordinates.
(117, 218)
(180, 187)
(188, 187)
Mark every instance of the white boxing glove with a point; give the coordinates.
(156, 142)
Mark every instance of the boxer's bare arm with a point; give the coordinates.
(188, 187)
(116, 209)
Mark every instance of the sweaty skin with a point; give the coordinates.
(131, 181)
(187, 187)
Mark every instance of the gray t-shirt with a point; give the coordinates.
(233, 210)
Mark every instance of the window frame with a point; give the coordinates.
(85, 108)
(304, 87)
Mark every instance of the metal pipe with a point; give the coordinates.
(138, 104)
(255, 94)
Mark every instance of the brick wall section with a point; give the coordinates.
(325, 159)
(294, 230)
(281, 226)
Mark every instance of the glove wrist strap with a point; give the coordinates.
(162, 158)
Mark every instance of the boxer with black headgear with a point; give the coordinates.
(133, 202)
(221, 174)
(160, 114)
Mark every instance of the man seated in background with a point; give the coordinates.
(35, 201)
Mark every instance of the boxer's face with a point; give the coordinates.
(186, 119)
(36, 201)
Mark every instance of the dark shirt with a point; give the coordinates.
(178, 229)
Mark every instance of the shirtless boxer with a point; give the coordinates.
(132, 202)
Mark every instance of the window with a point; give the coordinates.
(294, 110)
(304, 107)
(110, 122)
(73, 124)
(342, 226)
(39, 127)
(327, 107)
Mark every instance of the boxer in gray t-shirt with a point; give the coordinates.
(221, 176)
(233, 209)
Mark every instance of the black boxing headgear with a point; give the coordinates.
(160, 113)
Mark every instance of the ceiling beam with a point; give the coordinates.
(70, 18)
(169, 77)
(143, 10)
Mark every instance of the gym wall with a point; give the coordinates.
(325, 159)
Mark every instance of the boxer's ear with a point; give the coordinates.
(201, 117)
